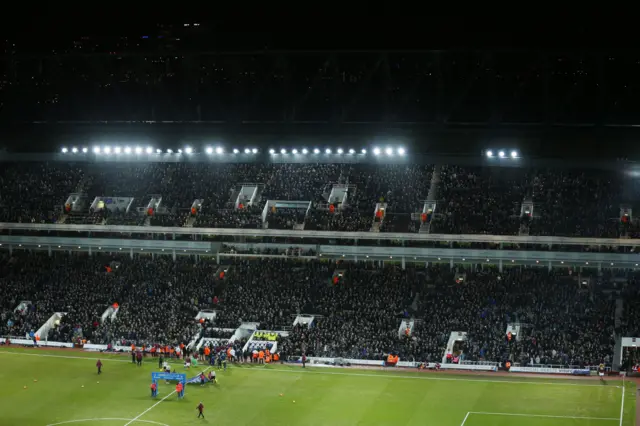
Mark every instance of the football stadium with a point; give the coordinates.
(192, 234)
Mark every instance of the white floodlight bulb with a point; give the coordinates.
(127, 150)
(489, 153)
(295, 151)
(364, 151)
(501, 154)
(149, 150)
(235, 150)
(389, 151)
(352, 151)
(514, 154)
(328, 150)
(283, 151)
(117, 150)
(188, 150)
(64, 150)
(74, 150)
(376, 151)
(316, 151)
(96, 150)
(272, 151)
(219, 150)
(85, 150)
(247, 151)
(305, 151)
(139, 149)
(401, 151)
(254, 150)
(107, 150)
(209, 150)
(340, 151)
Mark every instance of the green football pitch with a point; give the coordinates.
(41, 388)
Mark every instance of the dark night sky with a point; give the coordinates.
(336, 29)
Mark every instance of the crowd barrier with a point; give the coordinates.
(402, 364)
(45, 343)
(543, 370)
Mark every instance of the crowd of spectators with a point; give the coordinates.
(357, 314)
(248, 218)
(469, 199)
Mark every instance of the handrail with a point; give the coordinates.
(289, 233)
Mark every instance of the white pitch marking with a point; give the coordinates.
(156, 404)
(337, 373)
(106, 419)
(548, 416)
(622, 406)
(149, 409)
(465, 419)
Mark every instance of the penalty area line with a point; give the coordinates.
(389, 375)
(105, 419)
(547, 416)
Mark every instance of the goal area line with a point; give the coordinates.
(542, 416)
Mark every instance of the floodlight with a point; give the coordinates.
(376, 151)
(96, 150)
(364, 151)
(188, 150)
(235, 150)
(328, 150)
(247, 151)
(305, 151)
(272, 151)
(139, 150)
(352, 151)
(283, 151)
(254, 150)
(158, 151)
(169, 151)
(74, 150)
(127, 150)
(389, 151)
(117, 150)
(219, 150)
(295, 151)
(64, 150)
(179, 151)
(340, 151)
(401, 151)
(209, 150)
(501, 154)
(514, 154)
(316, 151)
(489, 153)
(107, 149)
(149, 150)
(85, 150)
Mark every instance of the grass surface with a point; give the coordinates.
(67, 389)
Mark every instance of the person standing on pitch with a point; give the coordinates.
(200, 408)
(99, 366)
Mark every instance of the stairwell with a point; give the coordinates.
(619, 312)
(617, 349)
(425, 227)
